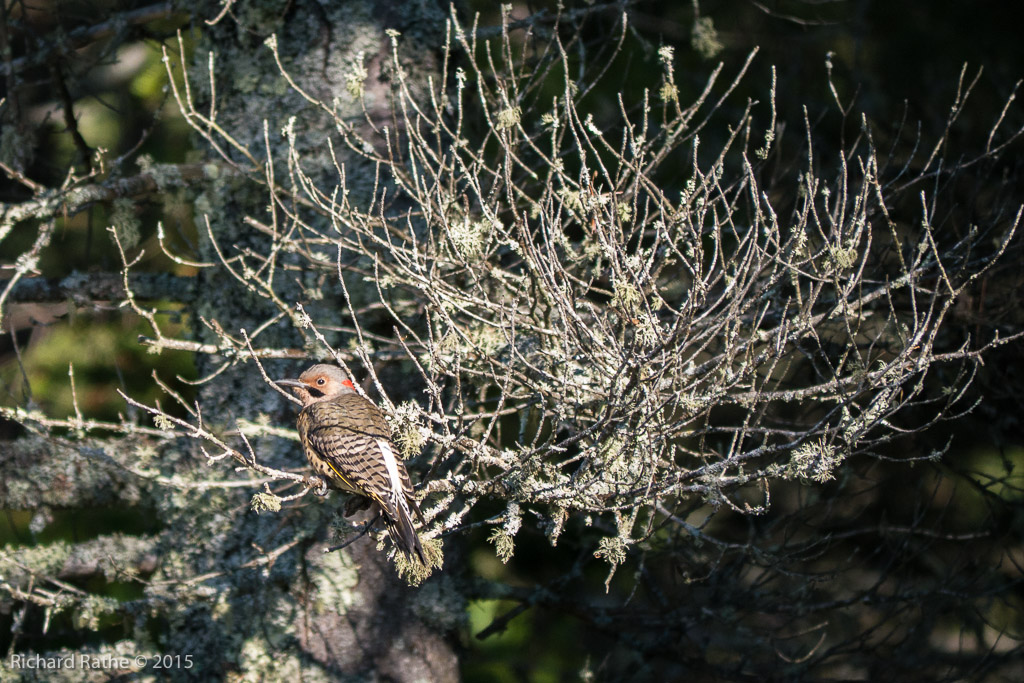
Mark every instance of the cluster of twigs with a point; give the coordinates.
(624, 317)
(612, 318)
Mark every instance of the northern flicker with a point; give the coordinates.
(347, 441)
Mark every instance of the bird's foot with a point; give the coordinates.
(362, 532)
(316, 485)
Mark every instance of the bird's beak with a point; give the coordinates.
(289, 383)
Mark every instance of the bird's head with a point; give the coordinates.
(319, 383)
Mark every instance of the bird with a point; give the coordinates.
(347, 441)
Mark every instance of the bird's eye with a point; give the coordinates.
(321, 381)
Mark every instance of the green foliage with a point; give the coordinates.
(104, 355)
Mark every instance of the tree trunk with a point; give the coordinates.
(345, 612)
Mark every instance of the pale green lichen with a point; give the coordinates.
(408, 434)
(557, 522)
(355, 77)
(163, 423)
(335, 583)
(668, 92)
(125, 223)
(704, 38)
(504, 544)
(413, 571)
(265, 502)
(626, 298)
(841, 258)
(259, 662)
(488, 339)
(814, 460)
(571, 201)
(612, 549)
(509, 118)
(503, 538)
(624, 211)
(168, 176)
(468, 236)
(91, 609)
(648, 331)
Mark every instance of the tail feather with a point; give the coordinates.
(403, 533)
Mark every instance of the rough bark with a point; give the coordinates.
(246, 596)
